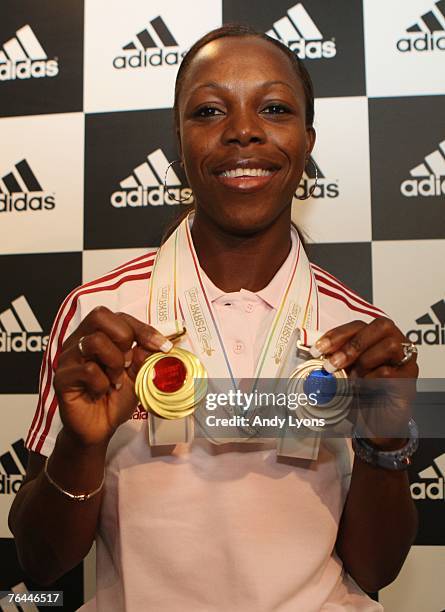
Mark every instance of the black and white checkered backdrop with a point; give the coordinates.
(86, 89)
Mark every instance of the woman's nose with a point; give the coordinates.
(243, 129)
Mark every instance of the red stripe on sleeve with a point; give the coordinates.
(336, 284)
(343, 299)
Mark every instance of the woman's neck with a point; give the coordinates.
(241, 262)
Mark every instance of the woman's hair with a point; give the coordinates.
(237, 30)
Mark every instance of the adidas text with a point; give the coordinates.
(22, 202)
(9, 485)
(427, 42)
(144, 60)
(313, 49)
(28, 69)
(322, 190)
(423, 490)
(22, 342)
(154, 197)
(431, 186)
(432, 336)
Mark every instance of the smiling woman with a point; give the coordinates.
(202, 523)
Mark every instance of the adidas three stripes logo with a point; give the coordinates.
(23, 46)
(434, 163)
(157, 35)
(20, 180)
(432, 21)
(300, 33)
(19, 318)
(23, 57)
(151, 173)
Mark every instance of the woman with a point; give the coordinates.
(201, 526)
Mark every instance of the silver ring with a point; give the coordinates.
(409, 349)
(80, 345)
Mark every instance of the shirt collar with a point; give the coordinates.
(271, 293)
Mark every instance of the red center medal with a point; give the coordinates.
(171, 385)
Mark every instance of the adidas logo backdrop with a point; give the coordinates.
(86, 88)
(134, 64)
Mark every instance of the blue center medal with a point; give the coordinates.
(171, 385)
(333, 392)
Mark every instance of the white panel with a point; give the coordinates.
(151, 85)
(304, 23)
(30, 43)
(420, 586)
(96, 263)
(26, 315)
(407, 289)
(54, 148)
(16, 414)
(345, 217)
(14, 50)
(388, 44)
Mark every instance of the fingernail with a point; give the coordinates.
(166, 346)
(128, 359)
(334, 362)
(161, 342)
(328, 366)
(320, 347)
(118, 386)
(315, 352)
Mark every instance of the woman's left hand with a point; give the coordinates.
(374, 351)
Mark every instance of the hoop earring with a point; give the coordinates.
(314, 186)
(181, 200)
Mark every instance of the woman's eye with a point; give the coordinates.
(208, 111)
(275, 109)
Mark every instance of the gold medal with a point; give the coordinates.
(171, 384)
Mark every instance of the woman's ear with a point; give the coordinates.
(178, 142)
(310, 140)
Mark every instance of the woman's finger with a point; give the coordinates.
(388, 351)
(344, 355)
(122, 329)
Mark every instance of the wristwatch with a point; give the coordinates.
(398, 459)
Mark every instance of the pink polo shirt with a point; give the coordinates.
(205, 528)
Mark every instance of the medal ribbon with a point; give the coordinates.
(177, 291)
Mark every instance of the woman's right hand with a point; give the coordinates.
(96, 370)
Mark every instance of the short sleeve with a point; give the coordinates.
(124, 289)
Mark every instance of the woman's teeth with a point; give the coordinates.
(246, 172)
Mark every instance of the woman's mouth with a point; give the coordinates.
(246, 179)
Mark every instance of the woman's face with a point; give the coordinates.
(242, 133)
